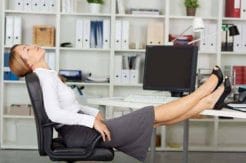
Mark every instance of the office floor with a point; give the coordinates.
(29, 156)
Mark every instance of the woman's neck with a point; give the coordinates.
(40, 65)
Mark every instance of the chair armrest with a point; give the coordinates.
(51, 124)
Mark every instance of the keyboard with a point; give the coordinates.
(155, 99)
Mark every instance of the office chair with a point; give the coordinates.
(55, 147)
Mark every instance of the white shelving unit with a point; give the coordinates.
(208, 134)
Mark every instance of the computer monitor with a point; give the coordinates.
(170, 68)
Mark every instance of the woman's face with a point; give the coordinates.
(31, 54)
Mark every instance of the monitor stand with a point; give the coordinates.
(177, 94)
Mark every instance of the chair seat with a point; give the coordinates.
(61, 152)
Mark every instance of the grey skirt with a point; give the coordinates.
(130, 133)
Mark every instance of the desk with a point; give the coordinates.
(118, 102)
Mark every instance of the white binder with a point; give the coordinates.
(118, 29)
(237, 43)
(203, 42)
(86, 33)
(211, 37)
(18, 5)
(243, 38)
(134, 76)
(51, 60)
(106, 33)
(36, 5)
(27, 5)
(79, 34)
(44, 5)
(17, 30)
(125, 35)
(243, 9)
(9, 34)
(51, 5)
(117, 69)
(125, 76)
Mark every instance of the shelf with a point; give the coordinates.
(131, 50)
(139, 16)
(87, 84)
(233, 53)
(14, 146)
(17, 117)
(233, 19)
(192, 17)
(29, 12)
(208, 52)
(44, 47)
(86, 14)
(202, 148)
(14, 82)
(128, 85)
(81, 49)
(229, 148)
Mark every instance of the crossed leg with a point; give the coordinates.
(190, 105)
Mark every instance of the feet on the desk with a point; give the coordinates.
(227, 90)
(218, 73)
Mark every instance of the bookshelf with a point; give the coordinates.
(207, 134)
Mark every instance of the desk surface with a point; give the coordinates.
(118, 102)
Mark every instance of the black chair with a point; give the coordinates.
(55, 147)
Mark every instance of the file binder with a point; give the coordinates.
(9, 34)
(79, 34)
(99, 34)
(19, 5)
(43, 5)
(211, 37)
(125, 78)
(233, 8)
(117, 69)
(51, 60)
(237, 43)
(17, 30)
(106, 33)
(86, 33)
(155, 33)
(51, 5)
(93, 34)
(243, 37)
(118, 30)
(125, 35)
(36, 5)
(28, 5)
(204, 42)
(134, 76)
(243, 9)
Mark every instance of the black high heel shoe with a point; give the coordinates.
(217, 71)
(227, 90)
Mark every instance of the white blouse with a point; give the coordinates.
(60, 101)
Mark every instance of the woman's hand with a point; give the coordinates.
(102, 129)
(99, 117)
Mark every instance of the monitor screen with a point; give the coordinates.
(170, 68)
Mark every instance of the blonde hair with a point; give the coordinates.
(17, 65)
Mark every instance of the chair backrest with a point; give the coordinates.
(44, 135)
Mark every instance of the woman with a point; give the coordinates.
(130, 133)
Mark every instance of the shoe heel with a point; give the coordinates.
(227, 90)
